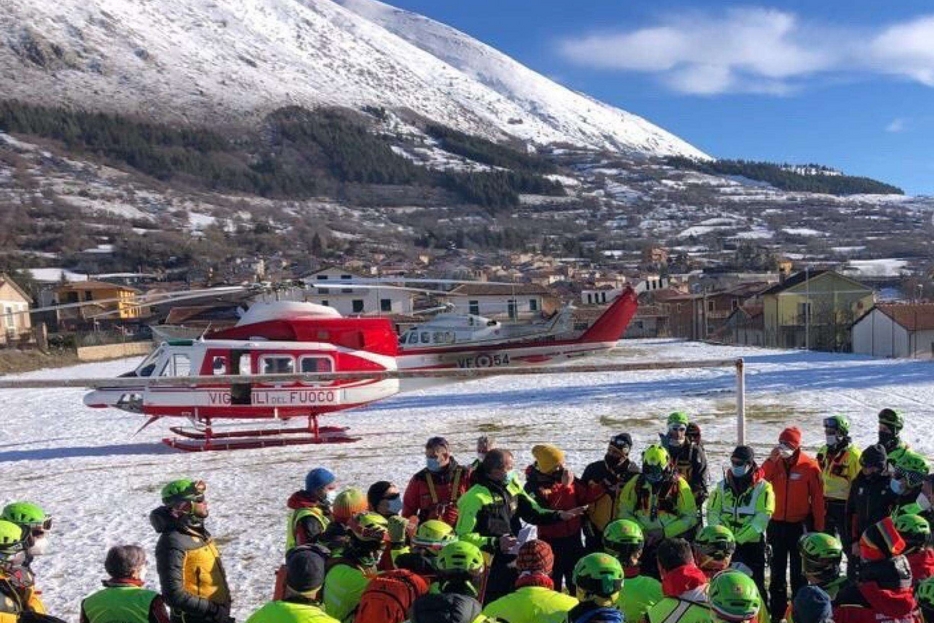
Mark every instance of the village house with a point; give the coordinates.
(14, 307)
(103, 302)
(896, 330)
(519, 301)
(333, 287)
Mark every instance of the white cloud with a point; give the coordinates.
(896, 125)
(757, 50)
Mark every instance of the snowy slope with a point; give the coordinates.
(226, 61)
(583, 119)
(86, 467)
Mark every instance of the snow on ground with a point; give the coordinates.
(52, 275)
(888, 267)
(100, 481)
(802, 231)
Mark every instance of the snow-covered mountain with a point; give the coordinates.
(227, 61)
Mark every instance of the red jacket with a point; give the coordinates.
(419, 500)
(868, 603)
(559, 497)
(922, 564)
(799, 491)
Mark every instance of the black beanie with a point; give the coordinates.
(622, 440)
(874, 456)
(305, 568)
(744, 453)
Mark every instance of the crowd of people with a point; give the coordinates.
(650, 541)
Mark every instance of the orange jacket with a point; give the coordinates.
(798, 489)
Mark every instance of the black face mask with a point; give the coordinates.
(888, 440)
(613, 460)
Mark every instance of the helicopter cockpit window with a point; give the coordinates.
(278, 365)
(219, 366)
(425, 337)
(316, 364)
(149, 363)
(413, 337)
(177, 365)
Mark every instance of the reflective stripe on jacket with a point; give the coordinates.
(838, 471)
(746, 515)
(531, 604)
(118, 604)
(671, 508)
(290, 612)
(295, 520)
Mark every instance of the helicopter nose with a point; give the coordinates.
(96, 399)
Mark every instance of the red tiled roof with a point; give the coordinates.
(911, 316)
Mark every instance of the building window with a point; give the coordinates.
(533, 304)
(322, 290)
(735, 304)
(589, 298)
(512, 309)
(711, 306)
(325, 303)
(357, 305)
(385, 305)
(474, 307)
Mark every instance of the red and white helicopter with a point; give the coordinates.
(274, 365)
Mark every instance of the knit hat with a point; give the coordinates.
(374, 495)
(305, 568)
(881, 541)
(622, 440)
(535, 557)
(874, 456)
(791, 437)
(744, 453)
(547, 457)
(348, 503)
(318, 478)
(812, 605)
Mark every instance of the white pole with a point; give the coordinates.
(807, 308)
(740, 403)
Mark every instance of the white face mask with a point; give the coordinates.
(39, 547)
(924, 502)
(331, 495)
(785, 452)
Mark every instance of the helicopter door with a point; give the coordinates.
(241, 393)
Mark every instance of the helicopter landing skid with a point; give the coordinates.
(204, 438)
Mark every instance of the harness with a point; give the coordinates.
(455, 486)
(665, 501)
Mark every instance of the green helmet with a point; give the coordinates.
(433, 534)
(892, 419)
(715, 541)
(182, 490)
(369, 527)
(678, 418)
(924, 593)
(838, 422)
(655, 463)
(623, 538)
(461, 556)
(733, 596)
(27, 515)
(912, 467)
(820, 556)
(599, 574)
(11, 539)
(914, 529)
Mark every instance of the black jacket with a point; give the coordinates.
(445, 608)
(870, 500)
(192, 578)
(691, 461)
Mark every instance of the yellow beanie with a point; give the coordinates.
(547, 457)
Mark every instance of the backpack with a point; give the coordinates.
(389, 596)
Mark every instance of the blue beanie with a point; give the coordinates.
(812, 605)
(317, 478)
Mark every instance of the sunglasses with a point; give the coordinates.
(391, 496)
(678, 427)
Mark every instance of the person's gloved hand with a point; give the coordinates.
(397, 529)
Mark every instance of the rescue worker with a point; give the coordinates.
(484, 445)
(123, 598)
(534, 599)
(455, 597)
(660, 501)
(924, 595)
(384, 499)
(821, 555)
(598, 579)
(305, 572)
(714, 547)
(607, 476)
(12, 559)
(694, 434)
(733, 598)
(348, 575)
(429, 540)
(347, 503)
(36, 525)
(744, 502)
(916, 532)
(191, 574)
(811, 605)
(553, 486)
(623, 539)
(882, 593)
(684, 586)
(799, 507)
(489, 514)
(433, 491)
(688, 458)
(891, 423)
(310, 509)
(839, 464)
(871, 499)
(908, 473)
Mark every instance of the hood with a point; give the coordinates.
(921, 562)
(445, 608)
(687, 582)
(162, 520)
(896, 602)
(302, 499)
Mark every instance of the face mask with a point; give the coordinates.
(330, 496)
(481, 456)
(924, 502)
(897, 487)
(831, 440)
(739, 471)
(39, 547)
(394, 506)
(612, 460)
(784, 452)
(512, 475)
(433, 464)
(887, 439)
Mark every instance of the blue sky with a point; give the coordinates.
(846, 84)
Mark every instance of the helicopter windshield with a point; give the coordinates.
(149, 363)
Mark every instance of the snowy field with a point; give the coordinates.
(100, 482)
